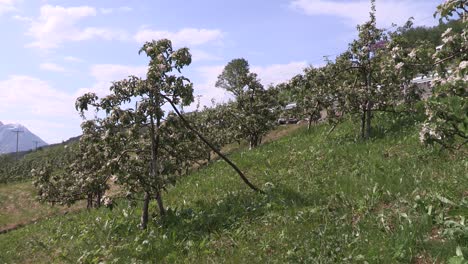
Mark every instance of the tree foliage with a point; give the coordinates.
(84, 176)
(369, 77)
(255, 108)
(144, 149)
(138, 140)
(431, 35)
(447, 108)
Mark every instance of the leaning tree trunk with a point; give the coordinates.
(251, 143)
(159, 200)
(144, 214)
(90, 201)
(98, 199)
(153, 172)
(363, 122)
(155, 154)
(368, 120)
(310, 122)
(254, 141)
(187, 124)
(369, 104)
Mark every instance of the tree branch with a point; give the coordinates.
(187, 124)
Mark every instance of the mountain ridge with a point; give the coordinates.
(26, 139)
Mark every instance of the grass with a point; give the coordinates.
(328, 200)
(19, 207)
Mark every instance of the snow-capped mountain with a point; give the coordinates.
(26, 139)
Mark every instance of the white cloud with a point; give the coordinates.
(51, 114)
(105, 74)
(278, 73)
(210, 73)
(200, 55)
(72, 59)
(48, 66)
(113, 72)
(271, 74)
(33, 96)
(49, 131)
(125, 9)
(48, 112)
(57, 25)
(206, 89)
(357, 12)
(7, 6)
(22, 18)
(184, 37)
(107, 11)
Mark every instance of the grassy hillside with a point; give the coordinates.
(19, 207)
(328, 200)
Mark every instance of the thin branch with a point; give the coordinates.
(442, 60)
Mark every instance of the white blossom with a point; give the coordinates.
(463, 65)
(428, 132)
(162, 67)
(423, 132)
(447, 39)
(446, 32)
(106, 201)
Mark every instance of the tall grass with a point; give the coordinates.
(329, 199)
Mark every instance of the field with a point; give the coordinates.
(19, 207)
(329, 199)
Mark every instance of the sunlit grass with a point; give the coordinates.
(328, 200)
(18, 206)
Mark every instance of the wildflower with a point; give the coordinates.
(423, 132)
(429, 112)
(107, 202)
(463, 65)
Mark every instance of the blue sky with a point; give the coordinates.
(53, 51)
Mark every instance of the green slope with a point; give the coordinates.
(328, 200)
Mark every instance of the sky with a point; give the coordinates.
(54, 51)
